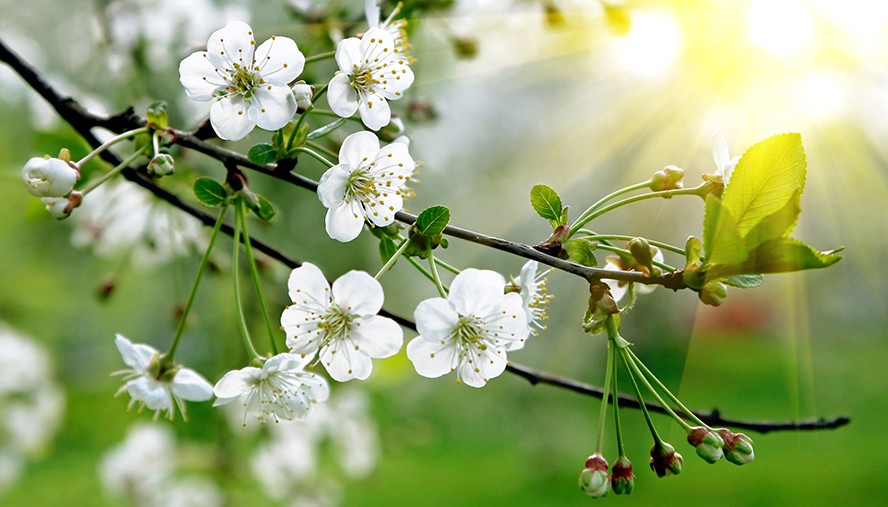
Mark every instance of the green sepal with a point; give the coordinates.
(581, 251)
(263, 154)
(157, 114)
(547, 204)
(209, 191)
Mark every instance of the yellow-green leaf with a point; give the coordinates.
(776, 225)
(767, 176)
(721, 237)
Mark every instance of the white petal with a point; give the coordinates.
(136, 355)
(371, 10)
(190, 385)
(319, 389)
(378, 337)
(375, 111)
(720, 153)
(234, 384)
(348, 55)
(395, 158)
(232, 44)
(152, 393)
(431, 359)
(358, 293)
(477, 292)
(729, 169)
(435, 319)
(344, 222)
(229, 118)
(343, 364)
(382, 208)
(279, 60)
(488, 365)
(509, 322)
(49, 178)
(359, 149)
(302, 335)
(272, 106)
(308, 286)
(341, 96)
(395, 79)
(332, 186)
(198, 75)
(376, 42)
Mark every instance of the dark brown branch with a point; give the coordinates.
(83, 122)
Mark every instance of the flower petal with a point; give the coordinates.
(234, 384)
(378, 337)
(510, 323)
(359, 149)
(155, 395)
(720, 153)
(332, 186)
(229, 118)
(136, 355)
(375, 111)
(272, 106)
(477, 292)
(395, 158)
(198, 75)
(190, 385)
(396, 78)
(487, 365)
(435, 319)
(232, 44)
(341, 96)
(348, 54)
(279, 60)
(308, 286)
(431, 359)
(344, 222)
(344, 363)
(358, 293)
(316, 387)
(382, 208)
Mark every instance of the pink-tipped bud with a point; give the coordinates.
(665, 461)
(161, 165)
(622, 478)
(738, 447)
(61, 207)
(708, 443)
(593, 479)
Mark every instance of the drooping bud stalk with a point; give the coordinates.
(622, 478)
(667, 179)
(664, 460)
(708, 443)
(738, 447)
(593, 479)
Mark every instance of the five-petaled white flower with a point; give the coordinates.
(278, 390)
(367, 183)
(373, 70)
(722, 157)
(341, 323)
(533, 295)
(619, 288)
(396, 27)
(157, 391)
(250, 85)
(470, 331)
(49, 177)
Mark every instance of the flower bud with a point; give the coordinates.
(665, 461)
(593, 479)
(713, 293)
(667, 179)
(61, 207)
(708, 443)
(49, 177)
(738, 447)
(641, 251)
(622, 478)
(395, 126)
(303, 94)
(161, 165)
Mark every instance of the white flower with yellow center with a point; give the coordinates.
(373, 70)
(367, 184)
(340, 323)
(279, 390)
(532, 286)
(396, 27)
(470, 331)
(250, 85)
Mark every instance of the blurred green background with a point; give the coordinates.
(579, 95)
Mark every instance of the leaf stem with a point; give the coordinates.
(296, 127)
(117, 169)
(616, 237)
(606, 198)
(255, 273)
(602, 413)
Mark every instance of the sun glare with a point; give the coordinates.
(821, 96)
(651, 45)
(782, 27)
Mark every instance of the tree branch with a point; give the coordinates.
(83, 122)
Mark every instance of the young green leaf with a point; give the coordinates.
(157, 114)
(209, 191)
(546, 202)
(326, 129)
(743, 281)
(262, 154)
(433, 220)
(768, 175)
(387, 249)
(776, 225)
(581, 251)
(781, 255)
(265, 210)
(721, 238)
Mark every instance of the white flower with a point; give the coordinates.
(372, 70)
(395, 27)
(342, 324)
(367, 184)
(49, 177)
(722, 156)
(61, 207)
(470, 331)
(278, 390)
(138, 467)
(250, 85)
(619, 288)
(533, 295)
(158, 390)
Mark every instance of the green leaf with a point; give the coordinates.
(781, 255)
(721, 238)
(387, 249)
(157, 114)
(743, 281)
(768, 175)
(778, 224)
(546, 202)
(265, 210)
(262, 154)
(433, 220)
(564, 213)
(581, 251)
(326, 129)
(209, 191)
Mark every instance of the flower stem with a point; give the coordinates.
(109, 143)
(616, 237)
(606, 198)
(616, 249)
(321, 91)
(320, 56)
(588, 217)
(644, 410)
(245, 334)
(324, 151)
(602, 413)
(435, 276)
(155, 142)
(327, 112)
(446, 266)
(391, 262)
(616, 392)
(296, 128)
(116, 170)
(667, 392)
(168, 355)
(255, 272)
(631, 360)
(315, 155)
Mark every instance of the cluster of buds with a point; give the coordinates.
(53, 180)
(667, 179)
(601, 306)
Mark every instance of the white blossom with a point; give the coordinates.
(470, 331)
(395, 27)
(532, 286)
(154, 389)
(138, 467)
(340, 323)
(722, 157)
(372, 71)
(250, 85)
(303, 94)
(620, 288)
(51, 177)
(278, 390)
(368, 183)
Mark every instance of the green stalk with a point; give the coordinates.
(117, 169)
(315, 155)
(644, 410)
(602, 413)
(325, 151)
(109, 143)
(327, 112)
(391, 262)
(616, 392)
(435, 276)
(616, 249)
(255, 272)
(606, 198)
(616, 237)
(630, 359)
(171, 352)
(320, 56)
(668, 393)
(296, 128)
(245, 334)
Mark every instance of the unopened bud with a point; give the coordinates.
(708, 443)
(49, 177)
(713, 293)
(622, 478)
(161, 165)
(738, 447)
(693, 249)
(65, 155)
(665, 461)
(667, 179)
(303, 94)
(61, 207)
(641, 251)
(593, 479)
